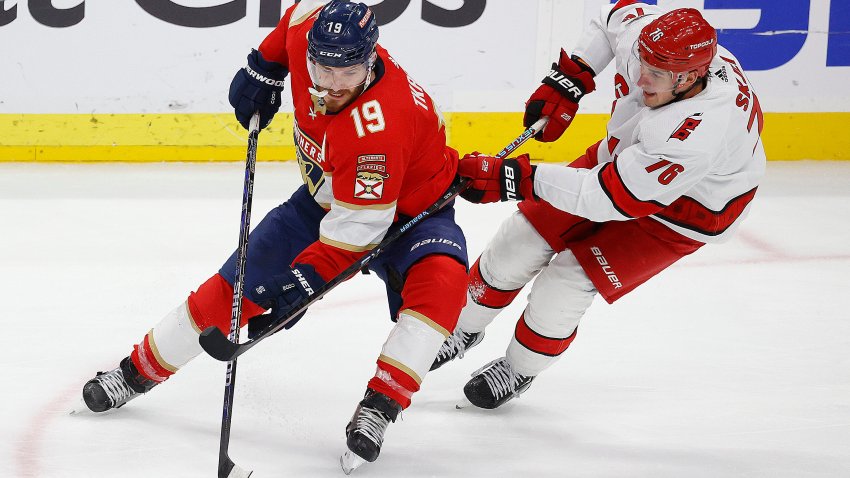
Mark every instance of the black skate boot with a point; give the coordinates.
(113, 389)
(495, 384)
(365, 432)
(455, 346)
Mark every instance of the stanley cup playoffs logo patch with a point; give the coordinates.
(371, 174)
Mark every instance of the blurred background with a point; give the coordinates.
(147, 80)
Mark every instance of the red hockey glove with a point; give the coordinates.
(558, 97)
(495, 179)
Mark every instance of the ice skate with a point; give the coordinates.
(463, 403)
(113, 389)
(365, 432)
(455, 346)
(495, 384)
(349, 461)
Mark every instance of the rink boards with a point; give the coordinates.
(218, 137)
(158, 91)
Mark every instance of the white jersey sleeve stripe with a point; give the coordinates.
(356, 229)
(576, 191)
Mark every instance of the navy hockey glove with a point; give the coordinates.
(495, 179)
(281, 293)
(558, 97)
(257, 87)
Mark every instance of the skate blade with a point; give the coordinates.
(80, 409)
(350, 461)
(464, 403)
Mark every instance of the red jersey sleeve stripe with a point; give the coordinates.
(688, 213)
(623, 200)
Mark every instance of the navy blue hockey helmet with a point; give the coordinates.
(344, 34)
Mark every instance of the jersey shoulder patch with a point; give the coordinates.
(680, 129)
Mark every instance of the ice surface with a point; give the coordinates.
(735, 362)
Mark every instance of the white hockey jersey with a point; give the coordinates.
(693, 165)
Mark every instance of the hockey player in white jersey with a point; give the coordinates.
(678, 168)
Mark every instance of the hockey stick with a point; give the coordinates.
(220, 348)
(226, 467)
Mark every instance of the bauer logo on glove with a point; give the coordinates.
(558, 97)
(495, 179)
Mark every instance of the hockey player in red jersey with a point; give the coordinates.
(678, 168)
(372, 150)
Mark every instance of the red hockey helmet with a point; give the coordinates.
(679, 41)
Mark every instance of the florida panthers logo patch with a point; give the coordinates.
(368, 186)
(371, 174)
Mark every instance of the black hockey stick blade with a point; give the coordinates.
(217, 345)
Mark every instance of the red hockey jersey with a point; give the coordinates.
(383, 155)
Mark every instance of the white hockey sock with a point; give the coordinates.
(475, 317)
(413, 343)
(526, 362)
(174, 340)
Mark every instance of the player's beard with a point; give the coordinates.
(334, 101)
(337, 100)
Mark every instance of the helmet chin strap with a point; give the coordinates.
(702, 81)
(372, 58)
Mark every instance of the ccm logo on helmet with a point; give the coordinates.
(330, 54)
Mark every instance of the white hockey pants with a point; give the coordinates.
(558, 299)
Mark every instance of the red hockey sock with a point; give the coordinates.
(146, 363)
(394, 383)
(432, 289)
(211, 305)
(485, 294)
(433, 293)
(540, 343)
